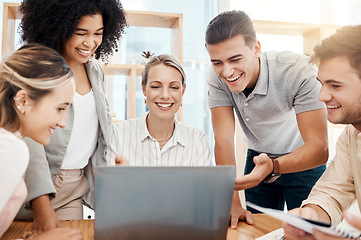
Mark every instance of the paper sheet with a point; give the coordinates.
(275, 235)
(303, 224)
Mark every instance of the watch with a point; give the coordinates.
(276, 173)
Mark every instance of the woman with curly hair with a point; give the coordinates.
(60, 175)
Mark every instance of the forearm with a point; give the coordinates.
(223, 128)
(309, 155)
(45, 218)
(321, 214)
(224, 153)
(41, 205)
(314, 152)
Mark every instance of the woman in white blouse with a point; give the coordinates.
(36, 88)
(158, 138)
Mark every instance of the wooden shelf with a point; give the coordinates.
(10, 14)
(122, 69)
(288, 28)
(153, 19)
(312, 33)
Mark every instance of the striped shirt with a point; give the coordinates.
(187, 147)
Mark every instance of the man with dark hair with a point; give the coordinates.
(274, 95)
(339, 59)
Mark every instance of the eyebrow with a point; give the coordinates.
(85, 30)
(235, 56)
(176, 81)
(160, 82)
(330, 81)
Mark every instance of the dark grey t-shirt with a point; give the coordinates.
(286, 86)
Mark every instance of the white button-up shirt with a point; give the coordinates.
(188, 146)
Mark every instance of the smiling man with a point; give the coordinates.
(274, 95)
(339, 58)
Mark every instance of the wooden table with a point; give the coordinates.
(263, 225)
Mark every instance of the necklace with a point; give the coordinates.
(162, 142)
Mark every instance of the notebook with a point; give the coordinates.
(163, 202)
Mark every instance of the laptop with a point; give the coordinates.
(163, 202)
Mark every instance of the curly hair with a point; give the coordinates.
(50, 22)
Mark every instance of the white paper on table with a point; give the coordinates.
(303, 224)
(274, 235)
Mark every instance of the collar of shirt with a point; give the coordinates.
(177, 133)
(355, 130)
(262, 84)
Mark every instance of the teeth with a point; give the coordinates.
(233, 79)
(333, 107)
(51, 131)
(83, 51)
(164, 105)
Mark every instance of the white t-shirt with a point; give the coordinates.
(84, 135)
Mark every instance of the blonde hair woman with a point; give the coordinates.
(36, 88)
(158, 138)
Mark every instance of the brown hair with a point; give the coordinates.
(345, 42)
(165, 59)
(228, 25)
(33, 68)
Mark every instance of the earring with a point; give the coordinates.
(145, 100)
(22, 112)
